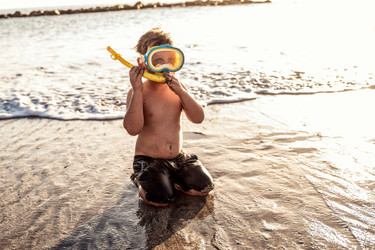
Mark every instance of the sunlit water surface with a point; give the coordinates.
(57, 66)
(337, 156)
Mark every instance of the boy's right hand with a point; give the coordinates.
(135, 75)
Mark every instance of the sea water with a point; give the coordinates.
(57, 67)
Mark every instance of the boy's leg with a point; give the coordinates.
(192, 177)
(153, 180)
(142, 193)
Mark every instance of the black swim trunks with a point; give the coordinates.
(158, 176)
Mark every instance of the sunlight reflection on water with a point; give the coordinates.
(340, 160)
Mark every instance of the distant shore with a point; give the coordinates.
(138, 5)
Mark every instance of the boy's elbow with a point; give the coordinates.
(133, 133)
(199, 119)
(131, 130)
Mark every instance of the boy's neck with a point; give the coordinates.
(156, 85)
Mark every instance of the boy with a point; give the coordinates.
(154, 114)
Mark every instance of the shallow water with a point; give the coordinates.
(57, 66)
(336, 151)
(282, 180)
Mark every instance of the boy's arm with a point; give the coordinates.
(134, 120)
(193, 110)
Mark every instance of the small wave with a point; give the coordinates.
(311, 91)
(34, 108)
(28, 113)
(61, 107)
(65, 118)
(228, 100)
(86, 106)
(303, 91)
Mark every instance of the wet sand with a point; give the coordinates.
(65, 185)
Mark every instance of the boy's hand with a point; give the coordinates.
(135, 75)
(173, 83)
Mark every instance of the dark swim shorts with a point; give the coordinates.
(158, 176)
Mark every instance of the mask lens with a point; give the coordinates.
(165, 58)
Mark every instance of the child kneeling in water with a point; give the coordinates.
(154, 114)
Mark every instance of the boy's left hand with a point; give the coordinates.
(173, 83)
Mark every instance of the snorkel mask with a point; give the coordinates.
(173, 66)
(164, 58)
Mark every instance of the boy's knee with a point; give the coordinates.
(157, 187)
(161, 193)
(142, 193)
(208, 187)
(198, 178)
(159, 197)
(204, 184)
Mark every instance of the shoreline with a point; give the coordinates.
(212, 102)
(137, 6)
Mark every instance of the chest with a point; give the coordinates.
(159, 106)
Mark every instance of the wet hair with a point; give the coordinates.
(154, 37)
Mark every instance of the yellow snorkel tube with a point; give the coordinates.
(151, 77)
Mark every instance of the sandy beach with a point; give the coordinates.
(65, 185)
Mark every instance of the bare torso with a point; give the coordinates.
(161, 136)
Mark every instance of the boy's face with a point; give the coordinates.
(164, 57)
